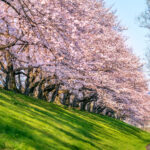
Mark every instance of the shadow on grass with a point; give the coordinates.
(80, 123)
(19, 130)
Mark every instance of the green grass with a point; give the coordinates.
(30, 124)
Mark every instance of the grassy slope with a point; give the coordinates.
(26, 123)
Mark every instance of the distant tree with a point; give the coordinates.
(144, 20)
(80, 44)
(144, 17)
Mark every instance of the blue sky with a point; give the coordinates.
(127, 12)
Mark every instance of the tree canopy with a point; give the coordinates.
(50, 46)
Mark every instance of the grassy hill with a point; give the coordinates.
(30, 124)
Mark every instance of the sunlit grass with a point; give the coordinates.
(30, 124)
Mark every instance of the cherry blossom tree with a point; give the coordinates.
(73, 51)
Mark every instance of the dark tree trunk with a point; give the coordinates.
(20, 84)
(55, 93)
(10, 75)
(28, 81)
(6, 81)
(82, 105)
(40, 91)
(12, 81)
(27, 84)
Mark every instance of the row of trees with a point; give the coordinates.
(74, 52)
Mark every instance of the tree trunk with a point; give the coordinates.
(10, 77)
(12, 81)
(55, 93)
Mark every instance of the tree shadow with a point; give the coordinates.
(82, 128)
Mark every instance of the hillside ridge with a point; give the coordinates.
(29, 123)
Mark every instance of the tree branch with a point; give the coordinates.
(9, 4)
(3, 47)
